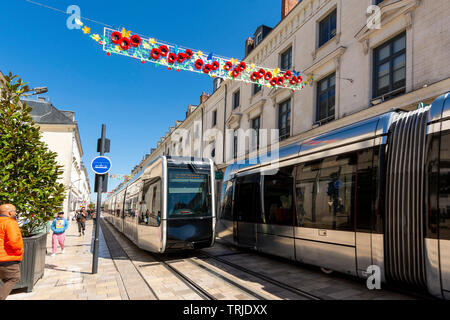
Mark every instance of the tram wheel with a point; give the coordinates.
(326, 271)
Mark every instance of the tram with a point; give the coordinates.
(168, 206)
(373, 193)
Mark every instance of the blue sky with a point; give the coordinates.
(137, 102)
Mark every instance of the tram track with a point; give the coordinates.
(263, 277)
(118, 252)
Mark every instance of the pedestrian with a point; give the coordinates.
(81, 220)
(59, 226)
(11, 249)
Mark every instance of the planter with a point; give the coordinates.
(33, 262)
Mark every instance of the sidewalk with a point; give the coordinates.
(69, 276)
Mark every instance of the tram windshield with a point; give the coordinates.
(189, 194)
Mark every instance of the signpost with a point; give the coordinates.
(101, 166)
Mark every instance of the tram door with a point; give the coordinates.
(246, 209)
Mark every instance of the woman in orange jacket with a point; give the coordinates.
(11, 249)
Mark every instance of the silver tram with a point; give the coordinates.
(168, 206)
(374, 193)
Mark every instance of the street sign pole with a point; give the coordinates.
(99, 204)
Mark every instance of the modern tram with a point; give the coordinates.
(373, 193)
(168, 206)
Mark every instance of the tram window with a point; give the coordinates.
(365, 191)
(444, 187)
(227, 214)
(432, 168)
(278, 198)
(189, 194)
(325, 193)
(247, 198)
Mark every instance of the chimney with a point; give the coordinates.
(287, 6)
(203, 97)
(249, 45)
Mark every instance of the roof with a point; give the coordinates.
(44, 112)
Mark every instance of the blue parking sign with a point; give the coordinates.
(101, 165)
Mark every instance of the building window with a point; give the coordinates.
(390, 68)
(327, 28)
(236, 99)
(377, 2)
(258, 38)
(216, 83)
(214, 118)
(213, 149)
(286, 59)
(256, 125)
(235, 144)
(326, 91)
(284, 119)
(256, 88)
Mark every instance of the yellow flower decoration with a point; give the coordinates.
(145, 45)
(234, 61)
(96, 37)
(199, 53)
(163, 61)
(117, 48)
(252, 66)
(152, 41)
(86, 30)
(276, 71)
(125, 33)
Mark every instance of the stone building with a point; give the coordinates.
(366, 57)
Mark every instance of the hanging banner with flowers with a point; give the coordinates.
(120, 176)
(179, 58)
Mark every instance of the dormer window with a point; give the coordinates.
(258, 38)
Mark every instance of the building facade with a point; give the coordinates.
(60, 132)
(366, 57)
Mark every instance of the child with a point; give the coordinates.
(59, 226)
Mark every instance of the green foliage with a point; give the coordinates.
(28, 170)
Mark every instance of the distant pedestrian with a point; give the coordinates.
(11, 249)
(81, 220)
(59, 226)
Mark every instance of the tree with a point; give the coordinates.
(29, 171)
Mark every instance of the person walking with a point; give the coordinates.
(11, 249)
(59, 226)
(81, 220)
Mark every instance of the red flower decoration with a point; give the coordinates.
(198, 64)
(228, 65)
(108, 53)
(116, 37)
(135, 40)
(181, 57)
(294, 80)
(125, 43)
(242, 66)
(255, 76)
(287, 74)
(280, 81)
(164, 50)
(172, 58)
(235, 72)
(188, 54)
(207, 68)
(273, 82)
(262, 73)
(300, 79)
(215, 65)
(155, 53)
(268, 76)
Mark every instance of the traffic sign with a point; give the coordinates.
(101, 165)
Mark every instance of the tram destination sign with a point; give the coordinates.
(101, 165)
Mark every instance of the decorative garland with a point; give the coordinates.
(120, 176)
(179, 58)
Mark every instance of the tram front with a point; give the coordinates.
(190, 204)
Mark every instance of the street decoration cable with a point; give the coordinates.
(175, 57)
